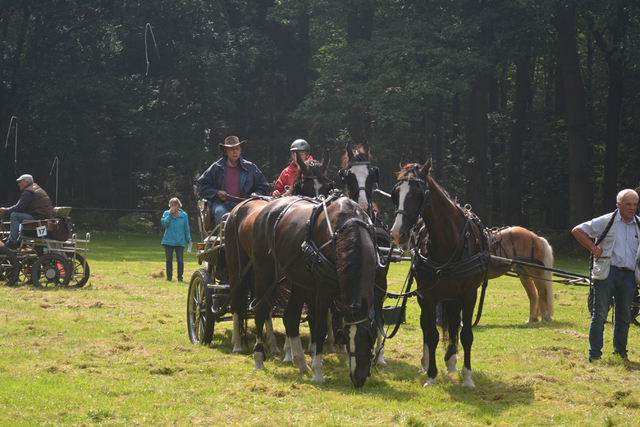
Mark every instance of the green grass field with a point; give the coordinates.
(116, 353)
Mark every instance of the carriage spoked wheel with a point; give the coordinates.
(51, 271)
(200, 321)
(81, 271)
(9, 267)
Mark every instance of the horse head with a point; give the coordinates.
(359, 333)
(310, 179)
(410, 197)
(358, 175)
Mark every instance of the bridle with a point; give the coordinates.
(317, 181)
(424, 190)
(372, 171)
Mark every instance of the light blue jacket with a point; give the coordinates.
(176, 229)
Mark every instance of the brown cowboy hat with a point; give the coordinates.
(232, 141)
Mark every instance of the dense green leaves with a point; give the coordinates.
(133, 97)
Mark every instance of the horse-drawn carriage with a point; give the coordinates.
(50, 255)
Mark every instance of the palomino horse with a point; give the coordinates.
(325, 249)
(310, 181)
(520, 244)
(449, 266)
(359, 177)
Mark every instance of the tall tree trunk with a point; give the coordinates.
(516, 142)
(476, 149)
(614, 56)
(580, 193)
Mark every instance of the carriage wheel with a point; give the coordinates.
(9, 267)
(81, 271)
(26, 265)
(51, 271)
(200, 322)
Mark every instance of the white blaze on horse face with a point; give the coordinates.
(403, 190)
(361, 173)
(352, 348)
(317, 186)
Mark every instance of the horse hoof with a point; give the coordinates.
(466, 377)
(547, 319)
(430, 382)
(532, 320)
(451, 364)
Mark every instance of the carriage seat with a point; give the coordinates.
(58, 228)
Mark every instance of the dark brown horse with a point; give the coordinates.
(449, 267)
(359, 178)
(309, 181)
(324, 249)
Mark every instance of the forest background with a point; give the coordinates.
(529, 108)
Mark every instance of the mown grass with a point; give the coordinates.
(116, 353)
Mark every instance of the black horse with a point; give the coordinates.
(359, 178)
(450, 264)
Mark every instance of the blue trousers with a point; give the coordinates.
(621, 286)
(221, 209)
(168, 251)
(16, 220)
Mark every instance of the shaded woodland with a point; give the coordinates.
(529, 108)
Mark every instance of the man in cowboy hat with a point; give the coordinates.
(231, 179)
(34, 203)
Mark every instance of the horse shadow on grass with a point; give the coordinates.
(385, 380)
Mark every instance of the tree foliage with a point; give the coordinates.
(133, 97)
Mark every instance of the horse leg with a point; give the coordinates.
(534, 300)
(380, 349)
(545, 294)
(259, 354)
(287, 350)
(236, 338)
(430, 338)
(272, 342)
(322, 308)
(466, 338)
(291, 319)
(452, 310)
(331, 339)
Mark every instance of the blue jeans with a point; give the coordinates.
(221, 209)
(16, 220)
(168, 251)
(621, 286)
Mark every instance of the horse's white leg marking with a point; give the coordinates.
(431, 381)
(271, 337)
(258, 357)
(466, 377)
(397, 225)
(451, 363)
(425, 359)
(298, 355)
(236, 339)
(287, 351)
(380, 349)
(317, 370)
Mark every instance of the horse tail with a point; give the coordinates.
(548, 275)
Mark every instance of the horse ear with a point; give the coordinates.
(350, 151)
(301, 164)
(365, 147)
(403, 161)
(426, 168)
(325, 160)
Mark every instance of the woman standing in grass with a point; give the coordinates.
(176, 234)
